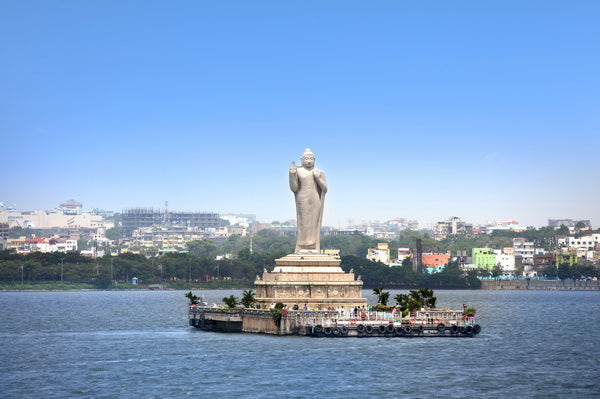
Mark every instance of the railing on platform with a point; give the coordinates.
(429, 318)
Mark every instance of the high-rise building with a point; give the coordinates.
(135, 218)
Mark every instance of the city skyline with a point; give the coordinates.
(485, 112)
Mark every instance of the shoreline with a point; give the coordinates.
(488, 285)
(541, 285)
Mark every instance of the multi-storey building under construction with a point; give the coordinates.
(147, 217)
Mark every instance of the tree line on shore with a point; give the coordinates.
(101, 272)
(251, 255)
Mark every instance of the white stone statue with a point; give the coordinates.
(309, 187)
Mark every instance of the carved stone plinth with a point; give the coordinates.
(309, 279)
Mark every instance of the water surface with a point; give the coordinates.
(138, 344)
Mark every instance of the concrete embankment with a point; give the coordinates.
(256, 320)
(566, 285)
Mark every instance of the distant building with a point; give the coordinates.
(435, 260)
(403, 224)
(380, 235)
(103, 213)
(236, 230)
(556, 223)
(507, 263)
(403, 253)
(135, 218)
(505, 225)
(541, 262)
(508, 250)
(348, 232)
(256, 227)
(164, 237)
(379, 254)
(3, 235)
(71, 207)
(454, 225)
(39, 244)
(55, 218)
(4, 231)
(525, 249)
(461, 258)
(588, 241)
(243, 220)
(484, 258)
(433, 269)
(566, 257)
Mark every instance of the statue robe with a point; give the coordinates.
(309, 191)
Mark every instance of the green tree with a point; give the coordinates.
(114, 233)
(202, 248)
(248, 298)
(550, 271)
(230, 301)
(193, 298)
(382, 296)
(497, 270)
(564, 271)
(416, 299)
(277, 313)
(103, 282)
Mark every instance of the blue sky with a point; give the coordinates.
(416, 109)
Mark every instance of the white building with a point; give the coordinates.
(52, 218)
(71, 207)
(454, 225)
(588, 241)
(524, 249)
(507, 225)
(237, 220)
(507, 263)
(38, 244)
(403, 253)
(379, 254)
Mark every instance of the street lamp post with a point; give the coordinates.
(62, 268)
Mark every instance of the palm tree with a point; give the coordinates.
(377, 291)
(248, 298)
(416, 299)
(382, 296)
(193, 298)
(427, 297)
(230, 301)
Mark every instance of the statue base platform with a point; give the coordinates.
(309, 279)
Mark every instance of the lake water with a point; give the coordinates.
(138, 344)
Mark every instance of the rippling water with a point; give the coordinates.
(138, 344)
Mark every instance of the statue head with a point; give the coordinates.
(308, 159)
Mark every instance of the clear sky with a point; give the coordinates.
(486, 110)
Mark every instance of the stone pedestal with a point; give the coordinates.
(311, 279)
